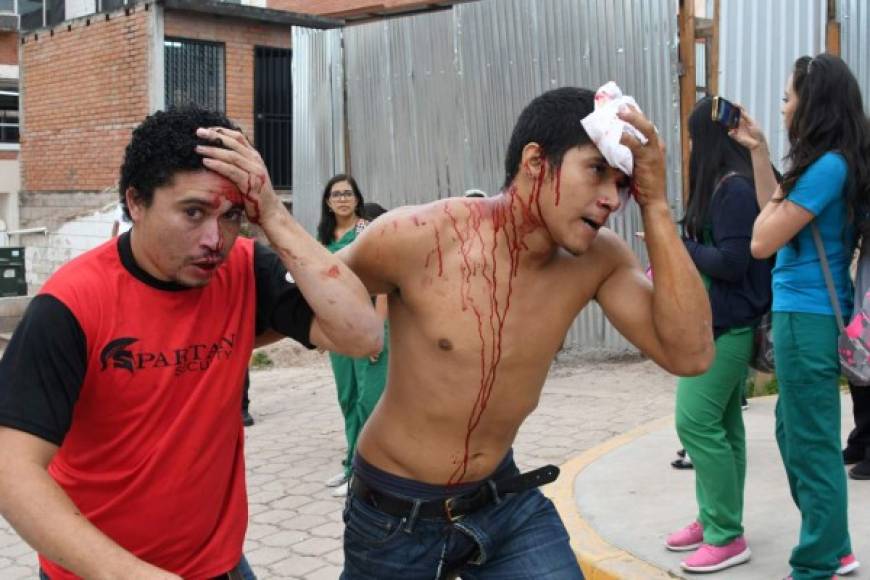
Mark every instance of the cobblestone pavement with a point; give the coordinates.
(295, 525)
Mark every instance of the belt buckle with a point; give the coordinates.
(448, 510)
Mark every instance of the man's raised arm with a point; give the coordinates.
(670, 320)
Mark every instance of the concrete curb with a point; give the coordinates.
(599, 559)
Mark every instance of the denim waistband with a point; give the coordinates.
(411, 489)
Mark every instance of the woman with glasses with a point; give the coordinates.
(360, 381)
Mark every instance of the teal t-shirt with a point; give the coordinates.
(798, 281)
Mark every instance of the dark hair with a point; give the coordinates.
(326, 227)
(162, 145)
(830, 117)
(714, 155)
(551, 120)
(372, 211)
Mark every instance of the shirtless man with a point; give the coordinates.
(481, 295)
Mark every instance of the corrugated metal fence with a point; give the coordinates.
(318, 118)
(854, 18)
(432, 98)
(758, 44)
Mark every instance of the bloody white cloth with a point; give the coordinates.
(605, 128)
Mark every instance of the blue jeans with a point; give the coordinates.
(244, 568)
(520, 537)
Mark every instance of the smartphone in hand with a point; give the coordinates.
(725, 113)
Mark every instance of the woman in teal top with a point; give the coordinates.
(360, 381)
(827, 183)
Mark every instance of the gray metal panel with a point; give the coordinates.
(758, 44)
(432, 98)
(854, 17)
(405, 145)
(318, 118)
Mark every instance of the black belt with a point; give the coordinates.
(234, 574)
(453, 508)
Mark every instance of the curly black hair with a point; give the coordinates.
(163, 144)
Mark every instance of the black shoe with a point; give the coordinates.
(682, 463)
(861, 470)
(852, 455)
(681, 452)
(744, 404)
(247, 420)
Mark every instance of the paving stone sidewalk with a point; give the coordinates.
(295, 526)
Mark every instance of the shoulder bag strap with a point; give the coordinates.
(829, 280)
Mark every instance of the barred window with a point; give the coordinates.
(273, 112)
(195, 73)
(8, 111)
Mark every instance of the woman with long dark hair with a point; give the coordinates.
(827, 184)
(717, 230)
(359, 381)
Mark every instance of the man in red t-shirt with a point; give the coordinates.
(121, 442)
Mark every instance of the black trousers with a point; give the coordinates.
(246, 400)
(860, 436)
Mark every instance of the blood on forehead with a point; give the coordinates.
(230, 192)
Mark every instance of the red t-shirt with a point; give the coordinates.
(154, 454)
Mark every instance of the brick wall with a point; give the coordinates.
(8, 48)
(340, 8)
(239, 38)
(83, 89)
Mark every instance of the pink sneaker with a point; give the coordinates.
(848, 564)
(686, 539)
(711, 558)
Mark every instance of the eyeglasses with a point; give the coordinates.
(346, 194)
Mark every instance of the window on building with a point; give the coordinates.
(109, 5)
(273, 112)
(31, 14)
(195, 73)
(8, 112)
(8, 6)
(55, 12)
(40, 13)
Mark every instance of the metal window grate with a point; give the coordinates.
(195, 73)
(273, 112)
(8, 114)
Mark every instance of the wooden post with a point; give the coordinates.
(832, 30)
(713, 73)
(687, 83)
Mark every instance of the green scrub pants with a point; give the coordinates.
(710, 426)
(808, 434)
(359, 383)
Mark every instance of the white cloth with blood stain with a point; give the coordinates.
(605, 128)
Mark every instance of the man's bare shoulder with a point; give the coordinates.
(607, 253)
(399, 237)
(404, 225)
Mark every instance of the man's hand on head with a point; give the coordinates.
(649, 183)
(239, 162)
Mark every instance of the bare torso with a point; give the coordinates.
(475, 323)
